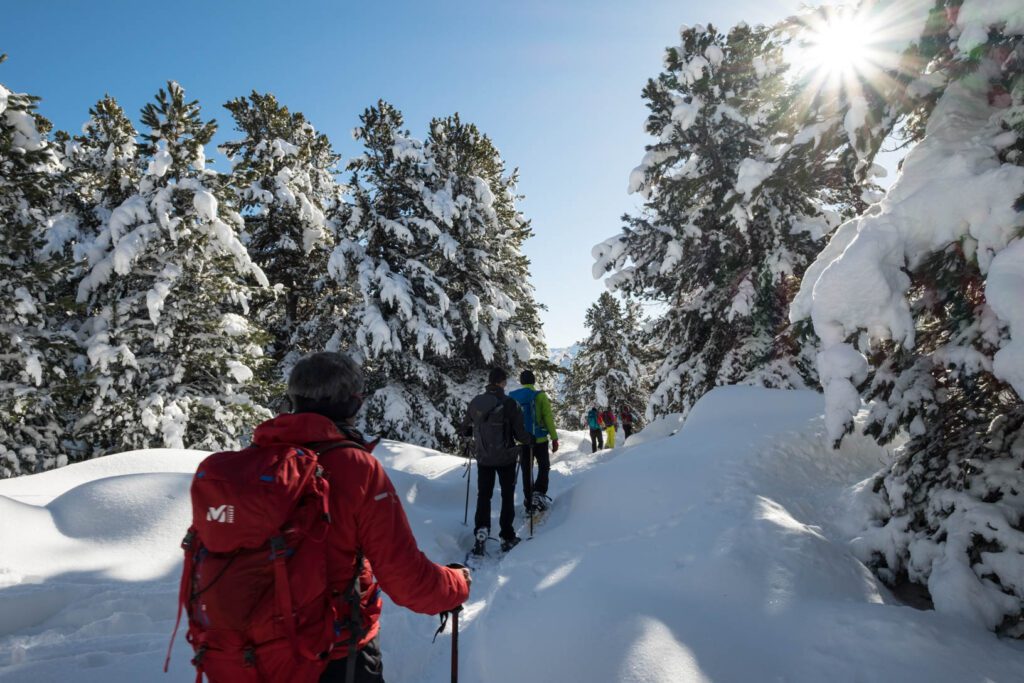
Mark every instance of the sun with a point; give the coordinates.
(838, 47)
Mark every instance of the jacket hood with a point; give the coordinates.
(302, 428)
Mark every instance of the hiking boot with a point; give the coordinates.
(481, 540)
(509, 543)
(541, 502)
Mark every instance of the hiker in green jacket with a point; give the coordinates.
(537, 414)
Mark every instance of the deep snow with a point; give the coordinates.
(715, 553)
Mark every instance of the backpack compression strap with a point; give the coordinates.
(279, 552)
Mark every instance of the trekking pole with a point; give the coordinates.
(455, 644)
(468, 475)
(454, 614)
(532, 512)
(528, 477)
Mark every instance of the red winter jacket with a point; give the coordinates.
(367, 513)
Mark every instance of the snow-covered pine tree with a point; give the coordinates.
(101, 169)
(174, 359)
(493, 316)
(36, 371)
(102, 166)
(609, 371)
(919, 309)
(389, 252)
(715, 244)
(284, 176)
(721, 261)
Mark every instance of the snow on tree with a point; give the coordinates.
(36, 372)
(740, 188)
(284, 176)
(919, 305)
(433, 246)
(609, 370)
(101, 169)
(102, 164)
(493, 316)
(174, 357)
(388, 252)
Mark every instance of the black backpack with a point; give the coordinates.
(492, 431)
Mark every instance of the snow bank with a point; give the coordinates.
(712, 552)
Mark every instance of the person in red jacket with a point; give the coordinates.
(325, 390)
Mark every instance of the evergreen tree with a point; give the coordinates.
(918, 306)
(494, 317)
(36, 372)
(722, 239)
(102, 166)
(101, 170)
(173, 357)
(434, 246)
(388, 253)
(284, 177)
(609, 371)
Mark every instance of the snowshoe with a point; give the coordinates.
(541, 502)
(509, 543)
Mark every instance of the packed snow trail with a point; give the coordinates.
(718, 553)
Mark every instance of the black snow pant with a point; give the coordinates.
(596, 440)
(627, 430)
(506, 476)
(369, 666)
(539, 452)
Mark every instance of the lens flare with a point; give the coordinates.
(840, 46)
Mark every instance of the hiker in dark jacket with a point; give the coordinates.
(627, 422)
(496, 423)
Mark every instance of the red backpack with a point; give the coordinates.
(254, 584)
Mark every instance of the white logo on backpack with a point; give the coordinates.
(224, 514)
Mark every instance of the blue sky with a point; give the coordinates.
(556, 84)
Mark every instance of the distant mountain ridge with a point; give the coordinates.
(564, 356)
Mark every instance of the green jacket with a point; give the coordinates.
(544, 416)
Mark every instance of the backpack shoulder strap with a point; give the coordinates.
(497, 404)
(324, 447)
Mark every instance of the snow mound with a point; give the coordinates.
(120, 507)
(43, 487)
